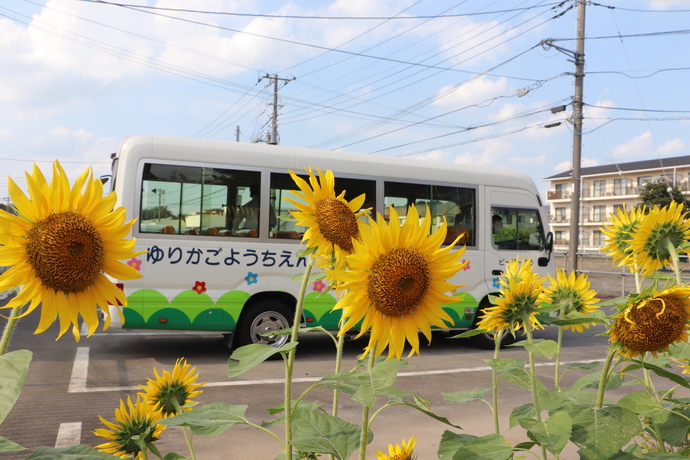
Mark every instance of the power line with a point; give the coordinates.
(288, 16)
(285, 40)
(637, 110)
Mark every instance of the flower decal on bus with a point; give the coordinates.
(467, 264)
(497, 285)
(319, 286)
(199, 287)
(251, 278)
(134, 263)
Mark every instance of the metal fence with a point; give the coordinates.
(607, 279)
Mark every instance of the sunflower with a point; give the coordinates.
(516, 270)
(396, 282)
(519, 299)
(618, 229)
(649, 242)
(572, 292)
(134, 431)
(172, 392)
(60, 247)
(652, 324)
(332, 222)
(396, 452)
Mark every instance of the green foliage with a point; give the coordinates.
(657, 194)
(14, 367)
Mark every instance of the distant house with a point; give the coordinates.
(604, 190)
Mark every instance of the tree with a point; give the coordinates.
(662, 194)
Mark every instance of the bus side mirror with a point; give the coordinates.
(548, 246)
(549, 243)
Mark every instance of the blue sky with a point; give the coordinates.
(448, 81)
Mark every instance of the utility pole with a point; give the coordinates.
(237, 133)
(273, 135)
(571, 260)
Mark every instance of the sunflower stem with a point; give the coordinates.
(651, 390)
(533, 375)
(674, 260)
(290, 360)
(494, 380)
(188, 439)
(605, 376)
(338, 367)
(364, 436)
(561, 315)
(9, 328)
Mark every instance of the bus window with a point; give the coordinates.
(282, 185)
(517, 229)
(192, 200)
(454, 205)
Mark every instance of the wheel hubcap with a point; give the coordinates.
(266, 323)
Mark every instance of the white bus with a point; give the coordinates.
(220, 258)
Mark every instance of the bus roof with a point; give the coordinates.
(298, 158)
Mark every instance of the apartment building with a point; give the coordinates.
(604, 189)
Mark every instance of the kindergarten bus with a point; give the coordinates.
(221, 257)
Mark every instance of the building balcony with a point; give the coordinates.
(552, 195)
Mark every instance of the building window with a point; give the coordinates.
(668, 178)
(599, 187)
(560, 214)
(561, 187)
(560, 237)
(599, 213)
(642, 180)
(622, 187)
(598, 238)
(617, 208)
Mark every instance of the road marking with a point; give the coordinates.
(81, 388)
(80, 370)
(69, 434)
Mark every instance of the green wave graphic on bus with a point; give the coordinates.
(191, 310)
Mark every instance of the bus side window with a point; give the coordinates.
(282, 187)
(453, 205)
(193, 200)
(519, 229)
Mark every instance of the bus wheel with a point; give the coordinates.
(486, 340)
(261, 318)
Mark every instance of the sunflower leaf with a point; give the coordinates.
(14, 367)
(490, 447)
(378, 381)
(210, 419)
(505, 364)
(324, 434)
(8, 446)
(643, 403)
(592, 381)
(469, 333)
(77, 452)
(451, 442)
(679, 379)
(460, 397)
(552, 433)
(600, 433)
(250, 356)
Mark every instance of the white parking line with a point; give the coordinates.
(69, 434)
(80, 370)
(77, 382)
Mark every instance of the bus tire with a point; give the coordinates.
(486, 340)
(262, 317)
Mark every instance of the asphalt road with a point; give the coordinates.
(70, 384)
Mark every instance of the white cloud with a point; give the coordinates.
(435, 155)
(584, 163)
(473, 91)
(5, 133)
(538, 160)
(670, 147)
(645, 145)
